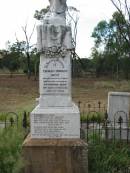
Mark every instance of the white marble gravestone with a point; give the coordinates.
(56, 116)
(118, 106)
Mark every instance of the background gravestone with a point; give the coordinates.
(118, 106)
(118, 115)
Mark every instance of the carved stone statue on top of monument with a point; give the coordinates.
(56, 14)
(58, 7)
(54, 36)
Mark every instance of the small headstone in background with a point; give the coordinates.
(118, 115)
(118, 107)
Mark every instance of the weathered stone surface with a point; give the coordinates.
(118, 106)
(55, 156)
(55, 122)
(55, 82)
(53, 38)
(56, 14)
(54, 145)
(58, 6)
(55, 116)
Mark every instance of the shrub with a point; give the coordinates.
(92, 117)
(108, 157)
(10, 150)
(2, 117)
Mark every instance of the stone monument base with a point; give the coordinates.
(55, 156)
(55, 122)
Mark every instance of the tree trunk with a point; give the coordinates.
(35, 71)
(28, 65)
(11, 74)
(117, 71)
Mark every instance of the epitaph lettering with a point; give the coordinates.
(55, 78)
(54, 126)
(56, 116)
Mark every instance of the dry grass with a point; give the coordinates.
(18, 93)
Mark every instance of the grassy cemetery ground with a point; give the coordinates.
(18, 93)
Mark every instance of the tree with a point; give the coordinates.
(97, 61)
(72, 20)
(101, 33)
(11, 62)
(39, 15)
(123, 9)
(126, 67)
(25, 47)
(108, 38)
(2, 54)
(28, 47)
(35, 60)
(111, 42)
(15, 58)
(18, 48)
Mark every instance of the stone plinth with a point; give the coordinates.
(55, 122)
(55, 156)
(118, 106)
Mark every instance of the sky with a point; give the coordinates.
(16, 13)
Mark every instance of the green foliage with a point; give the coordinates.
(111, 52)
(11, 61)
(35, 60)
(100, 33)
(10, 150)
(107, 35)
(2, 54)
(18, 58)
(2, 116)
(108, 157)
(92, 117)
(39, 14)
(126, 67)
(98, 61)
(18, 46)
